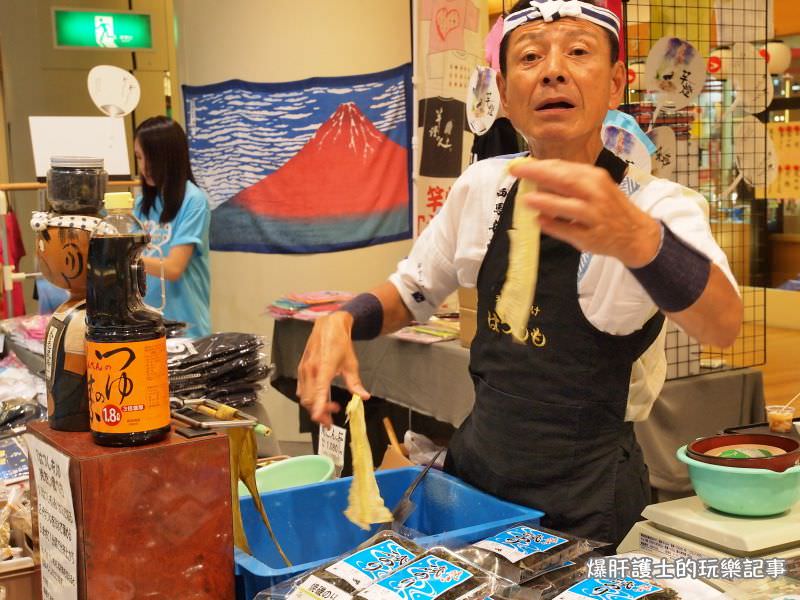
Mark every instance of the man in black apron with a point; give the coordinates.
(548, 427)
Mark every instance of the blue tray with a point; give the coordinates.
(311, 528)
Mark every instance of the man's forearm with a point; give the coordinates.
(395, 313)
(716, 317)
(692, 291)
(377, 312)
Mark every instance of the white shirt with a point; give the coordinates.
(449, 253)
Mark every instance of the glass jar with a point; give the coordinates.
(76, 184)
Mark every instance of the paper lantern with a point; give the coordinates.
(636, 76)
(778, 56)
(718, 63)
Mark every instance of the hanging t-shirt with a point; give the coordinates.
(501, 139)
(443, 123)
(16, 250)
(448, 73)
(188, 297)
(449, 19)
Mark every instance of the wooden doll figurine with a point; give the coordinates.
(62, 245)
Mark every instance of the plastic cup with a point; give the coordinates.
(780, 418)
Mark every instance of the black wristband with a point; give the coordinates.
(367, 314)
(677, 276)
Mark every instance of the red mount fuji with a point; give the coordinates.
(347, 169)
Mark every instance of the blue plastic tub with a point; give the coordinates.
(311, 528)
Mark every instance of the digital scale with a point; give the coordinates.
(687, 528)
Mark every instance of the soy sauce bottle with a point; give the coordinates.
(126, 349)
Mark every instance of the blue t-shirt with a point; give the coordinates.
(188, 297)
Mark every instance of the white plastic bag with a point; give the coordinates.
(421, 449)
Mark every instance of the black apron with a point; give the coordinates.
(548, 427)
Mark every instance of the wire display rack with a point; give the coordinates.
(721, 149)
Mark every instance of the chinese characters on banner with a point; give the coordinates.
(449, 38)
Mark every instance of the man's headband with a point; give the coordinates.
(42, 220)
(552, 10)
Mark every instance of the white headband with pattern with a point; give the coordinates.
(42, 220)
(552, 10)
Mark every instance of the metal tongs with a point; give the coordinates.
(204, 406)
(405, 507)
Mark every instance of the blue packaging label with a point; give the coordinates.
(371, 564)
(425, 579)
(609, 589)
(518, 543)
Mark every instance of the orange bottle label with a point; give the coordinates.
(128, 386)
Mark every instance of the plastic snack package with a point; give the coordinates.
(505, 590)
(376, 558)
(625, 588)
(437, 574)
(671, 588)
(629, 588)
(548, 585)
(561, 578)
(525, 551)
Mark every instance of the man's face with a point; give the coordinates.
(559, 81)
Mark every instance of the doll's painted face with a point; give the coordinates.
(63, 253)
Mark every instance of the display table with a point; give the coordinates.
(150, 521)
(434, 380)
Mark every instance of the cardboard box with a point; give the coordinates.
(392, 459)
(468, 324)
(467, 314)
(468, 298)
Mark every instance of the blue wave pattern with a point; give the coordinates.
(240, 132)
(426, 579)
(611, 589)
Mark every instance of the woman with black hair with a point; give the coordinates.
(176, 214)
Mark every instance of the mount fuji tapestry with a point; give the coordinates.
(316, 165)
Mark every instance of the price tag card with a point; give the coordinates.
(58, 536)
(332, 443)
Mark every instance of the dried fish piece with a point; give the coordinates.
(364, 503)
(516, 296)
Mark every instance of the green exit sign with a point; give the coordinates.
(102, 29)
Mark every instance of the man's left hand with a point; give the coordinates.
(580, 204)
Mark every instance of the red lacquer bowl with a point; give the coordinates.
(698, 448)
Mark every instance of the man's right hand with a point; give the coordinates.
(329, 353)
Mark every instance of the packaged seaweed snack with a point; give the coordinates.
(505, 590)
(560, 578)
(625, 588)
(670, 586)
(631, 589)
(439, 573)
(525, 551)
(378, 557)
(548, 585)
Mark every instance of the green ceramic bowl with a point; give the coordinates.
(292, 472)
(741, 491)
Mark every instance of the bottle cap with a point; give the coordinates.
(76, 162)
(118, 200)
